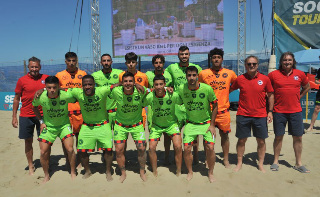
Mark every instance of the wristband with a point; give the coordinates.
(270, 110)
(41, 121)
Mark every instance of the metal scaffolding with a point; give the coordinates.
(241, 36)
(95, 28)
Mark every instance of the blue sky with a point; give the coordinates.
(44, 28)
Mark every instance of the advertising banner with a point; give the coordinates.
(6, 101)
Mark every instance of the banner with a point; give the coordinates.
(297, 25)
(149, 27)
(6, 101)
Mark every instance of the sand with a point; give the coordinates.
(249, 181)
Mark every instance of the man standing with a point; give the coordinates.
(129, 120)
(71, 77)
(55, 123)
(96, 129)
(158, 63)
(287, 82)
(196, 98)
(164, 121)
(220, 80)
(252, 111)
(178, 74)
(25, 89)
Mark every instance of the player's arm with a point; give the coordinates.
(270, 96)
(36, 111)
(316, 81)
(140, 88)
(15, 107)
(304, 90)
(212, 127)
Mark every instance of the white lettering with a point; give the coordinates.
(309, 7)
(313, 6)
(8, 98)
(297, 8)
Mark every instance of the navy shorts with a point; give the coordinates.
(258, 125)
(26, 127)
(295, 123)
(318, 98)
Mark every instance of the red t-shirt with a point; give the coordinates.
(287, 90)
(252, 100)
(27, 87)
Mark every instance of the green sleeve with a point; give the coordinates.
(74, 92)
(105, 90)
(211, 95)
(70, 98)
(36, 102)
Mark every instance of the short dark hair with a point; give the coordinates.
(127, 74)
(183, 48)
(251, 56)
(191, 69)
(159, 77)
(216, 51)
(70, 55)
(157, 57)
(131, 56)
(87, 77)
(106, 54)
(282, 57)
(34, 59)
(52, 80)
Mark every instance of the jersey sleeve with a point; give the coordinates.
(69, 97)
(120, 76)
(169, 83)
(18, 87)
(74, 92)
(305, 80)
(201, 77)
(105, 90)
(113, 93)
(147, 100)
(199, 69)
(233, 76)
(36, 102)
(269, 87)
(212, 96)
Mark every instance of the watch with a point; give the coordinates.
(41, 121)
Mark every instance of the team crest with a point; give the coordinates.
(62, 102)
(115, 76)
(167, 80)
(260, 82)
(169, 102)
(90, 100)
(194, 95)
(79, 76)
(202, 95)
(54, 103)
(115, 133)
(161, 102)
(42, 81)
(139, 79)
(80, 141)
(44, 131)
(296, 78)
(129, 99)
(225, 75)
(136, 98)
(96, 97)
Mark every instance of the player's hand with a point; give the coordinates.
(170, 90)
(140, 88)
(42, 126)
(38, 94)
(270, 117)
(212, 129)
(15, 122)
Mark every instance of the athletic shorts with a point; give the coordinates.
(112, 116)
(92, 136)
(50, 134)
(318, 98)
(121, 133)
(26, 127)
(149, 117)
(76, 121)
(223, 122)
(181, 115)
(295, 123)
(156, 131)
(191, 131)
(258, 125)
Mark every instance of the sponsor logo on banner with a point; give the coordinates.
(6, 101)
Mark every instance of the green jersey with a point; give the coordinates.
(55, 110)
(102, 79)
(151, 75)
(129, 107)
(178, 73)
(93, 108)
(197, 102)
(163, 108)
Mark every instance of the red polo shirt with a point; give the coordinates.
(287, 90)
(252, 100)
(27, 87)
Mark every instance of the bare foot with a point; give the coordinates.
(226, 164)
(122, 178)
(262, 169)
(178, 172)
(87, 175)
(143, 177)
(46, 179)
(237, 168)
(109, 177)
(155, 173)
(189, 176)
(31, 170)
(73, 176)
(211, 178)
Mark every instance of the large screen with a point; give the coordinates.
(149, 27)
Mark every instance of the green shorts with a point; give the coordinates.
(149, 116)
(90, 136)
(121, 134)
(50, 134)
(181, 115)
(191, 131)
(156, 131)
(112, 115)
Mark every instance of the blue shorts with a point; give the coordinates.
(258, 125)
(26, 127)
(295, 123)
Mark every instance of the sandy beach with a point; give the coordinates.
(249, 181)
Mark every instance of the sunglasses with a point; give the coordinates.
(253, 64)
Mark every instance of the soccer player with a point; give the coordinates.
(95, 129)
(287, 81)
(25, 89)
(158, 63)
(71, 77)
(178, 74)
(252, 111)
(55, 123)
(220, 80)
(129, 120)
(164, 121)
(196, 97)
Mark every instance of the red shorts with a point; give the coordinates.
(223, 122)
(76, 121)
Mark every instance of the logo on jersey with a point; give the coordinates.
(42, 81)
(167, 80)
(79, 76)
(260, 82)
(225, 75)
(139, 79)
(186, 95)
(64, 77)
(194, 95)
(96, 97)
(90, 100)
(80, 141)
(129, 99)
(296, 78)
(115, 76)
(136, 98)
(169, 102)
(44, 131)
(161, 102)
(54, 103)
(202, 95)
(62, 102)
(115, 133)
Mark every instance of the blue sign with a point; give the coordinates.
(6, 101)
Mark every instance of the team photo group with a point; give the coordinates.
(182, 102)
